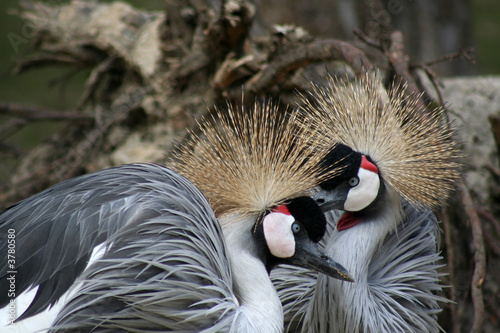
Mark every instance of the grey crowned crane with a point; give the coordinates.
(400, 163)
(139, 248)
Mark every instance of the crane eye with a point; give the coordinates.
(354, 181)
(295, 228)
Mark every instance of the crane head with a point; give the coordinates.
(353, 190)
(393, 148)
(292, 231)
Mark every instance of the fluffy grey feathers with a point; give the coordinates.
(169, 272)
(165, 262)
(399, 295)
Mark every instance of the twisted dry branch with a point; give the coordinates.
(479, 259)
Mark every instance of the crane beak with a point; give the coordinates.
(334, 199)
(309, 255)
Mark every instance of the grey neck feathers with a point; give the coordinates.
(392, 257)
(354, 248)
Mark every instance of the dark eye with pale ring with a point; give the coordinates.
(354, 181)
(295, 228)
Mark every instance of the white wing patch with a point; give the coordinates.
(41, 322)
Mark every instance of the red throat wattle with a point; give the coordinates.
(348, 220)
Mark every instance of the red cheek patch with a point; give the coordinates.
(347, 221)
(281, 209)
(367, 165)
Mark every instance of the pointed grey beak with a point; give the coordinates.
(334, 199)
(309, 255)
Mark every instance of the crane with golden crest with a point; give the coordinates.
(144, 248)
(400, 162)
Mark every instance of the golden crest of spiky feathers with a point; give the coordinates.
(412, 147)
(247, 161)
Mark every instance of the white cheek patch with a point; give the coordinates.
(363, 194)
(278, 234)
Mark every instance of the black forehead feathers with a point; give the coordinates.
(341, 156)
(306, 211)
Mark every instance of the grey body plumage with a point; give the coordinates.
(83, 211)
(155, 224)
(400, 292)
(167, 272)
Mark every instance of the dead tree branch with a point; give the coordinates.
(321, 50)
(35, 113)
(467, 53)
(479, 259)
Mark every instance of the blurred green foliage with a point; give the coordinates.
(486, 25)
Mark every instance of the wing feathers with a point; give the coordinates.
(57, 230)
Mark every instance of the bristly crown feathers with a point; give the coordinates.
(412, 147)
(247, 161)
